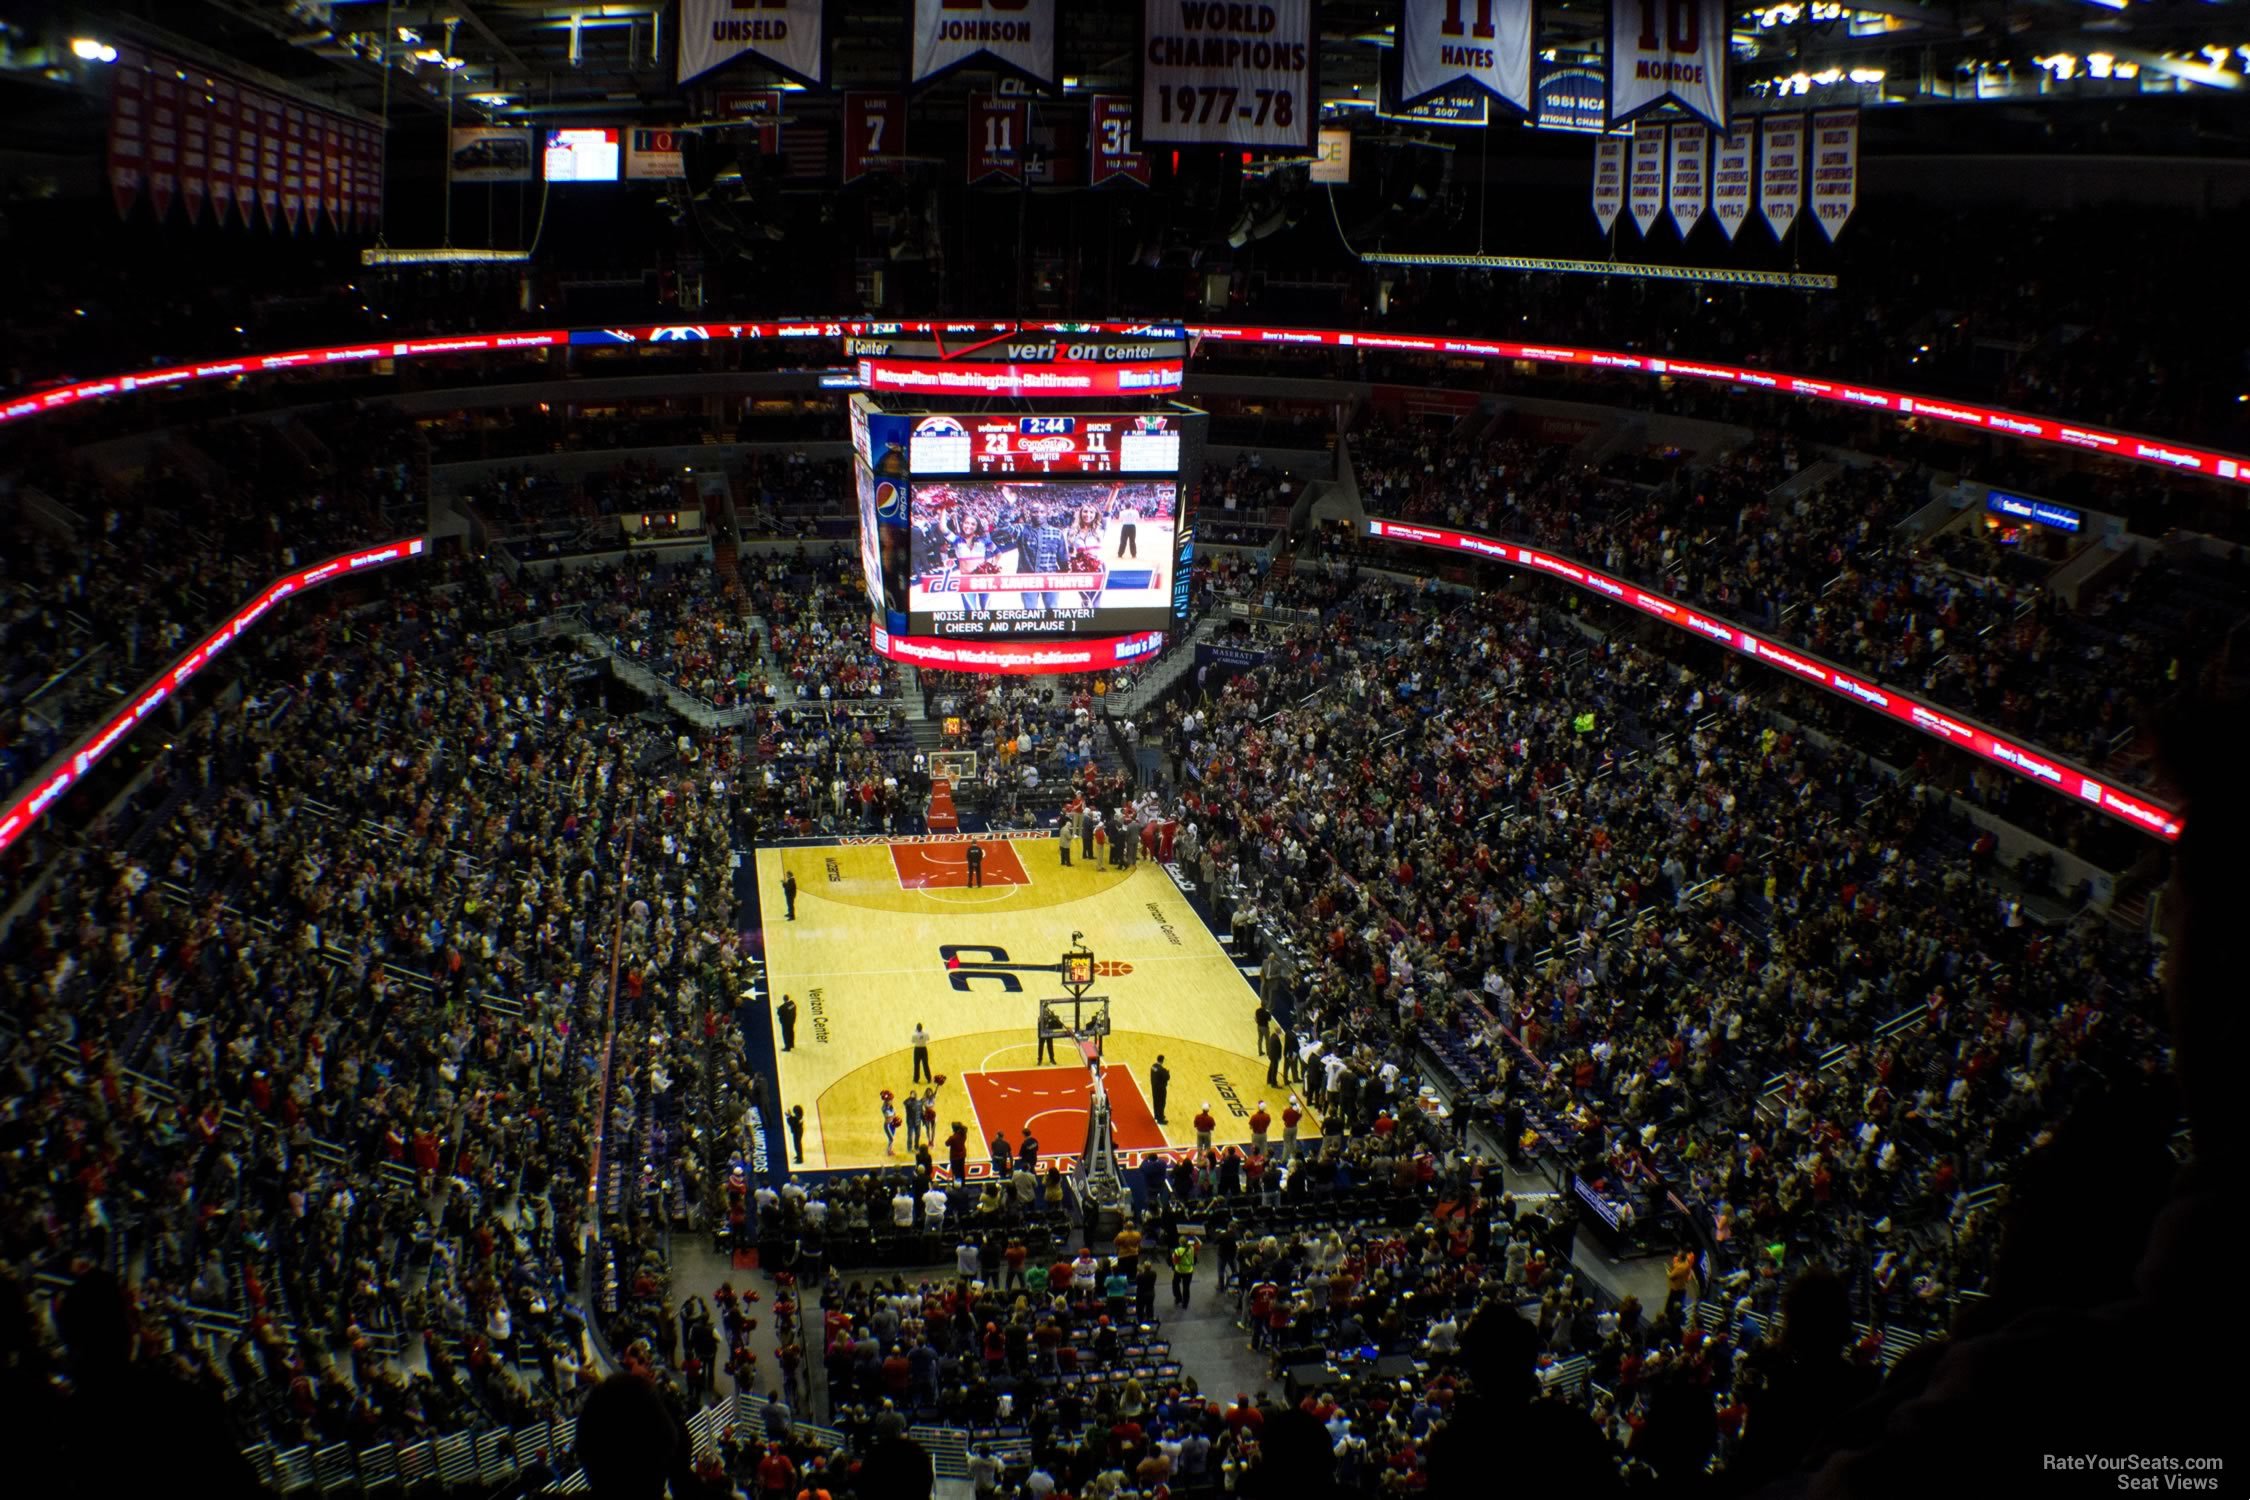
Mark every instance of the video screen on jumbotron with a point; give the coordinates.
(1008, 557)
(999, 525)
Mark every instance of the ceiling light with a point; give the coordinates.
(1867, 75)
(86, 49)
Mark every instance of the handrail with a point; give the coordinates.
(2179, 458)
(71, 765)
(2063, 777)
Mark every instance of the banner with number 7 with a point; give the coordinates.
(874, 132)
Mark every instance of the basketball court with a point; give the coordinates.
(890, 933)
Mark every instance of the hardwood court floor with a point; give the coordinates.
(888, 933)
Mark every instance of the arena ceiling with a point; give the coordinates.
(541, 58)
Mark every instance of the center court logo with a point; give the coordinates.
(968, 963)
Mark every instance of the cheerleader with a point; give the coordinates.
(890, 1125)
(972, 552)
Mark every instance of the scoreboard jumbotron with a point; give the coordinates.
(1013, 537)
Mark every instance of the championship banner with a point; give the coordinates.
(1018, 35)
(323, 171)
(1688, 185)
(128, 127)
(1483, 43)
(223, 94)
(1116, 150)
(1668, 52)
(1731, 177)
(292, 165)
(785, 35)
(1835, 168)
(874, 133)
(163, 135)
(249, 145)
(373, 181)
(366, 163)
(346, 147)
(1781, 170)
(996, 136)
(195, 146)
(1571, 96)
(269, 158)
(1228, 75)
(1644, 181)
(1609, 180)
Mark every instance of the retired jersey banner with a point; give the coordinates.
(1781, 170)
(1483, 43)
(128, 127)
(758, 107)
(1222, 74)
(163, 135)
(1732, 176)
(1114, 146)
(1668, 52)
(1609, 180)
(996, 137)
(1644, 180)
(1689, 184)
(874, 133)
(1018, 35)
(195, 145)
(1835, 168)
(785, 35)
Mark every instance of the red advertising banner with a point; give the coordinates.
(1017, 657)
(292, 165)
(223, 96)
(195, 144)
(1939, 723)
(2125, 447)
(874, 133)
(128, 127)
(997, 128)
(163, 135)
(69, 768)
(1113, 143)
(940, 378)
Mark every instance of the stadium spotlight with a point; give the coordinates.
(86, 49)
